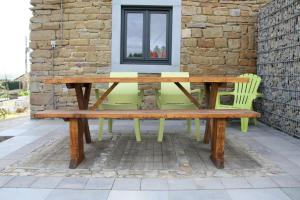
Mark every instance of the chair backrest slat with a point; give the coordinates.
(245, 93)
(170, 93)
(124, 93)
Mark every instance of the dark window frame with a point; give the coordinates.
(146, 35)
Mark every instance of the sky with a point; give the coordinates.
(14, 20)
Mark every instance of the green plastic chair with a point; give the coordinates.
(125, 96)
(170, 97)
(244, 94)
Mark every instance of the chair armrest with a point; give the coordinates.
(259, 95)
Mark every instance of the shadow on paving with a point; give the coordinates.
(121, 156)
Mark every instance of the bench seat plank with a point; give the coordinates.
(147, 114)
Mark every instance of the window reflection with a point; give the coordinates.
(158, 40)
(134, 35)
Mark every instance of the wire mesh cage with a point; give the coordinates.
(278, 61)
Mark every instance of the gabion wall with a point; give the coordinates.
(278, 61)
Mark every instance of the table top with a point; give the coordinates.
(145, 79)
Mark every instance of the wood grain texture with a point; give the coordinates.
(76, 143)
(147, 79)
(147, 114)
(218, 143)
(211, 90)
(83, 102)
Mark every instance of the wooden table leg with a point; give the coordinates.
(211, 90)
(76, 143)
(218, 142)
(83, 103)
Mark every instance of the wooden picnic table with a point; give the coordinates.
(211, 84)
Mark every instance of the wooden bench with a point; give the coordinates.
(77, 127)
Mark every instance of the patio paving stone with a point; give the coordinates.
(154, 184)
(21, 182)
(73, 183)
(257, 194)
(23, 194)
(68, 194)
(127, 184)
(100, 183)
(5, 179)
(285, 181)
(235, 182)
(293, 193)
(199, 195)
(261, 182)
(47, 182)
(209, 183)
(182, 184)
(138, 195)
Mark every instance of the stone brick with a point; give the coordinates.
(207, 10)
(216, 19)
(200, 60)
(196, 32)
(221, 43)
(220, 11)
(247, 62)
(232, 58)
(218, 61)
(95, 24)
(41, 54)
(234, 43)
(213, 32)
(186, 33)
(244, 42)
(235, 12)
(42, 35)
(79, 42)
(206, 43)
(40, 98)
(191, 42)
(189, 10)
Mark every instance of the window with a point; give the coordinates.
(146, 35)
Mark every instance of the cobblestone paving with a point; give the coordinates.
(119, 155)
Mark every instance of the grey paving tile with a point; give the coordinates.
(199, 195)
(24, 194)
(68, 194)
(261, 182)
(257, 194)
(20, 182)
(73, 183)
(209, 183)
(182, 184)
(293, 193)
(154, 184)
(235, 182)
(286, 181)
(127, 184)
(100, 183)
(138, 195)
(5, 179)
(15, 143)
(47, 182)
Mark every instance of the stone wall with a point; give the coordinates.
(218, 37)
(279, 65)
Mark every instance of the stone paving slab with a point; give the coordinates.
(258, 194)
(23, 194)
(67, 194)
